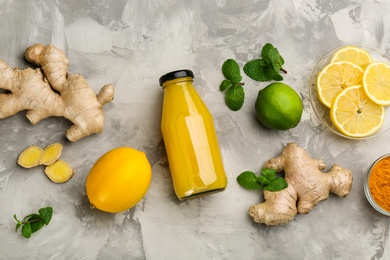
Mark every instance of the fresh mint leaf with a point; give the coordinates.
(18, 226)
(257, 70)
(277, 184)
(265, 52)
(268, 67)
(276, 60)
(26, 230)
(266, 177)
(272, 56)
(18, 223)
(267, 180)
(34, 222)
(268, 173)
(225, 84)
(263, 180)
(274, 74)
(31, 216)
(270, 181)
(231, 71)
(35, 226)
(248, 180)
(234, 97)
(46, 214)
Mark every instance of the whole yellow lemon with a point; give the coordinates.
(118, 180)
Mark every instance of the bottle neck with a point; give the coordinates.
(176, 81)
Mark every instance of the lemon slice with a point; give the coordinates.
(335, 77)
(376, 82)
(353, 54)
(355, 114)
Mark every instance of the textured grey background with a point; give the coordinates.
(131, 44)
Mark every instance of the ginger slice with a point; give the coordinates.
(51, 154)
(59, 172)
(30, 157)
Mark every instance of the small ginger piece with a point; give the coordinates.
(30, 157)
(51, 153)
(307, 185)
(49, 90)
(56, 170)
(59, 172)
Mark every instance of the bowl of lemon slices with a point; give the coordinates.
(350, 91)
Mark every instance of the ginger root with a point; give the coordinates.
(50, 90)
(307, 185)
(56, 170)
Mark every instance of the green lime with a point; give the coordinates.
(278, 106)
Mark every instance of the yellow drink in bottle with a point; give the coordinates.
(190, 138)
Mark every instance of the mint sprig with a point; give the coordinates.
(235, 94)
(34, 222)
(267, 180)
(268, 67)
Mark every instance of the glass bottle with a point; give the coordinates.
(190, 138)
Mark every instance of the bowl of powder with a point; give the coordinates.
(377, 185)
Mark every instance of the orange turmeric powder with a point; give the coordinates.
(379, 183)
